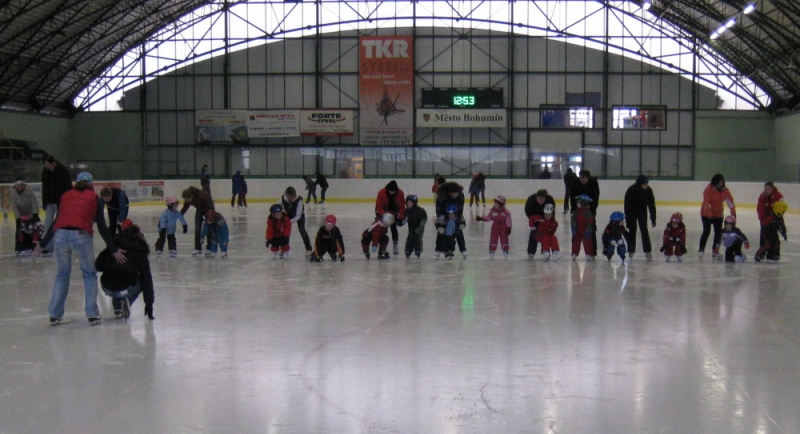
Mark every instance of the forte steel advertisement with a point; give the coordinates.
(386, 83)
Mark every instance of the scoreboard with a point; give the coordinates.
(462, 97)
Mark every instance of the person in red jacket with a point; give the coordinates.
(375, 235)
(767, 199)
(583, 228)
(674, 238)
(279, 228)
(711, 213)
(392, 200)
(546, 234)
(501, 225)
(72, 232)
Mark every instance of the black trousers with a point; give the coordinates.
(707, 223)
(301, 227)
(641, 222)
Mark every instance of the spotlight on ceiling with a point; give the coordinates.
(646, 4)
(730, 23)
(749, 8)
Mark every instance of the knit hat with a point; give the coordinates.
(641, 179)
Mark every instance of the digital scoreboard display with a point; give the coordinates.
(462, 97)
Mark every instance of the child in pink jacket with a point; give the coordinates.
(501, 225)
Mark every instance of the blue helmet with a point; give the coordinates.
(276, 208)
(451, 209)
(585, 199)
(617, 216)
(85, 176)
(412, 198)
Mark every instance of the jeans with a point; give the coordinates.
(131, 293)
(50, 212)
(66, 242)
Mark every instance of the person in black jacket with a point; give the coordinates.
(569, 179)
(451, 193)
(638, 200)
(323, 185)
(117, 205)
(534, 206)
(124, 282)
(56, 181)
(587, 185)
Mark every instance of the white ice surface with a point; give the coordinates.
(251, 345)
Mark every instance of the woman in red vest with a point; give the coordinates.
(72, 232)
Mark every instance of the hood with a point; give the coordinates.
(132, 241)
(392, 185)
(450, 187)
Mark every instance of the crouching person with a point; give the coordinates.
(125, 282)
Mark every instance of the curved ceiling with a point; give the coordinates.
(51, 49)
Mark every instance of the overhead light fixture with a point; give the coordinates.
(646, 4)
(730, 23)
(749, 8)
(714, 35)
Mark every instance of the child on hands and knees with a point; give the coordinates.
(279, 228)
(674, 238)
(733, 239)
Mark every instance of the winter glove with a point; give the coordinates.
(148, 310)
(185, 229)
(374, 249)
(663, 247)
(440, 220)
(441, 230)
(461, 226)
(268, 244)
(400, 223)
(478, 219)
(341, 258)
(315, 258)
(419, 230)
(613, 243)
(508, 231)
(785, 238)
(747, 245)
(653, 223)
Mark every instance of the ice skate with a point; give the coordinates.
(701, 254)
(464, 254)
(383, 255)
(437, 254)
(285, 255)
(668, 258)
(173, 253)
(197, 252)
(589, 258)
(224, 255)
(491, 254)
(717, 257)
(449, 256)
(275, 255)
(208, 253)
(648, 256)
(556, 256)
(59, 321)
(158, 253)
(95, 320)
(408, 255)
(574, 256)
(505, 254)
(740, 258)
(531, 255)
(678, 258)
(545, 256)
(630, 255)
(395, 249)
(126, 309)
(366, 255)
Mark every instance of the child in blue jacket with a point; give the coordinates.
(167, 225)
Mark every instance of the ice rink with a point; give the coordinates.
(252, 345)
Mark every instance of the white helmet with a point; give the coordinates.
(549, 208)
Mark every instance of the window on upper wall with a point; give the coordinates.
(639, 118)
(567, 117)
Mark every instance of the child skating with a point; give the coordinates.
(582, 222)
(675, 238)
(167, 226)
(447, 231)
(416, 217)
(772, 228)
(501, 226)
(733, 239)
(546, 234)
(376, 236)
(216, 229)
(279, 228)
(614, 236)
(329, 240)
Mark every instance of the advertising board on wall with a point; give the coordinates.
(462, 118)
(227, 127)
(386, 90)
(273, 123)
(326, 122)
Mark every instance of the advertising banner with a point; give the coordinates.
(220, 127)
(386, 90)
(462, 118)
(273, 123)
(326, 122)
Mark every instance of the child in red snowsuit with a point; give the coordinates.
(376, 234)
(772, 227)
(674, 237)
(546, 234)
(582, 227)
(501, 225)
(279, 228)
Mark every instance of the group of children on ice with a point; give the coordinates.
(399, 210)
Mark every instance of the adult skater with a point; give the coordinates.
(295, 210)
(711, 213)
(72, 232)
(392, 200)
(56, 181)
(639, 200)
(202, 203)
(477, 189)
(116, 201)
(205, 180)
(587, 185)
(452, 193)
(323, 185)
(239, 187)
(569, 179)
(125, 282)
(534, 206)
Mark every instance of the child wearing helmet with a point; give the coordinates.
(583, 229)
(614, 236)
(772, 228)
(216, 229)
(376, 235)
(534, 210)
(501, 225)
(279, 229)
(451, 193)
(415, 217)
(733, 239)
(447, 232)
(546, 234)
(329, 240)
(674, 238)
(167, 226)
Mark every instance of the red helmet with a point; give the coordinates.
(126, 224)
(676, 217)
(730, 219)
(210, 216)
(330, 219)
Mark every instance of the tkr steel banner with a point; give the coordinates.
(386, 95)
